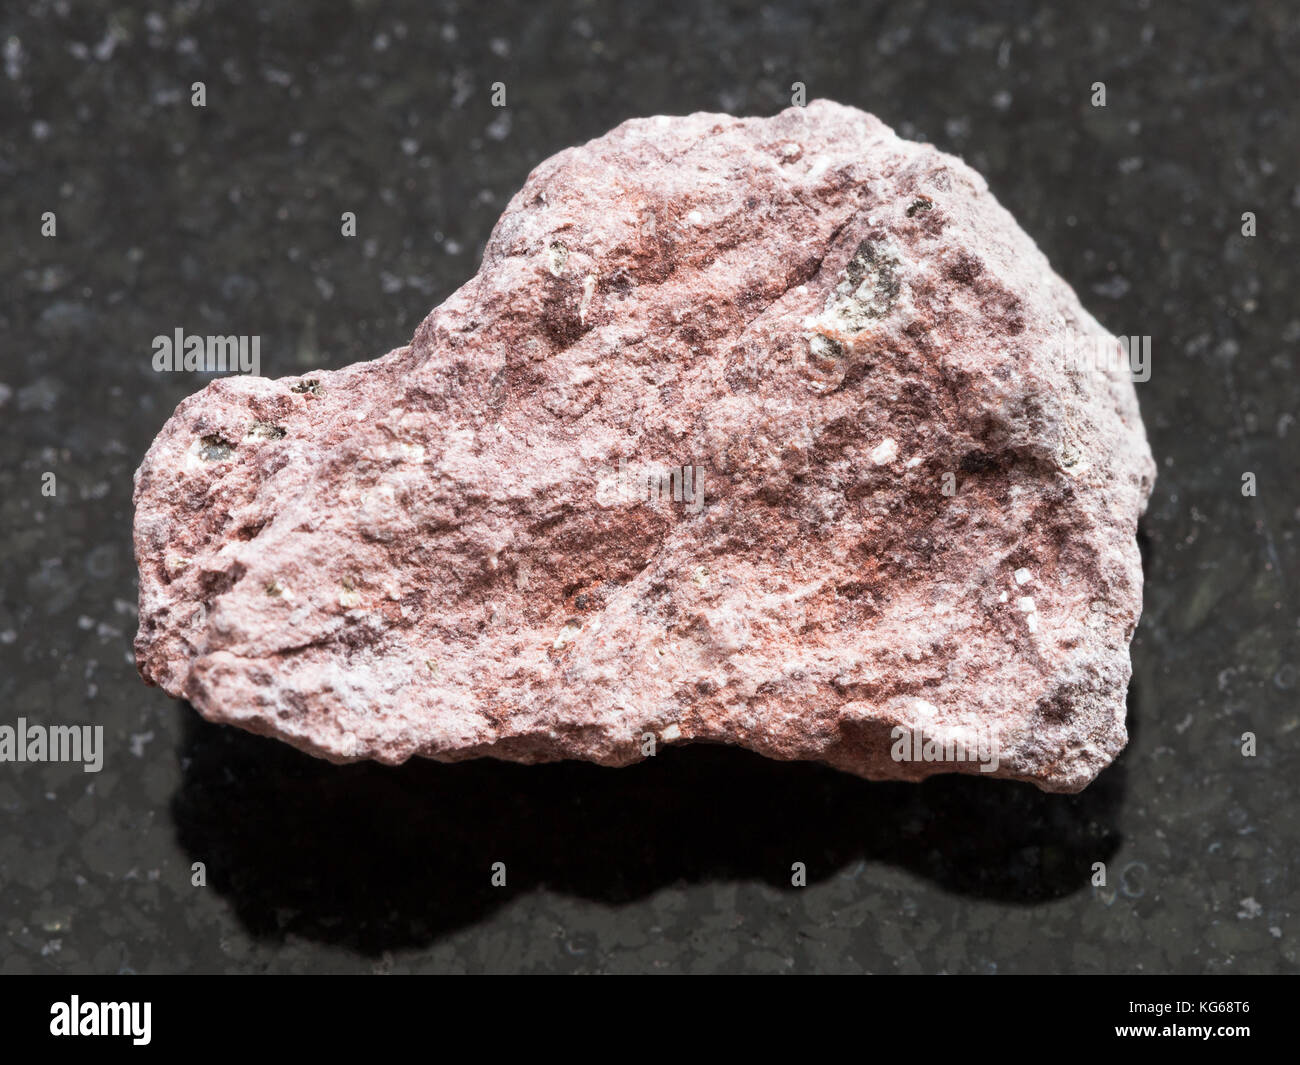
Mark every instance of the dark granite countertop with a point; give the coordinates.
(225, 219)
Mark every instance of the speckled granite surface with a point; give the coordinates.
(226, 220)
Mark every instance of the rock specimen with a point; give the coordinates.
(755, 431)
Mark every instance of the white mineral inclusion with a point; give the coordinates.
(885, 452)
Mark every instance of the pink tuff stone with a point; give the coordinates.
(897, 536)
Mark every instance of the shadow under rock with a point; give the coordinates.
(377, 858)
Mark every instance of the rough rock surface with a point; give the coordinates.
(900, 506)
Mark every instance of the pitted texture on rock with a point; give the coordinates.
(910, 510)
